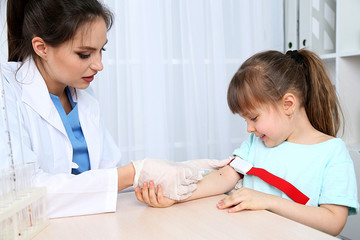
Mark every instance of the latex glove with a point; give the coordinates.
(178, 180)
(207, 165)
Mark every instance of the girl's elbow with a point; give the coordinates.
(338, 227)
(339, 217)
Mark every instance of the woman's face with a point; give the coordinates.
(75, 62)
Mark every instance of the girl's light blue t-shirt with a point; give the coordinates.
(73, 129)
(324, 172)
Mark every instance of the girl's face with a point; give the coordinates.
(75, 62)
(269, 123)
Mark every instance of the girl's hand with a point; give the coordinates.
(245, 198)
(149, 196)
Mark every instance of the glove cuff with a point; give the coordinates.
(138, 166)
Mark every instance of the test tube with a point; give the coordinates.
(7, 229)
(7, 195)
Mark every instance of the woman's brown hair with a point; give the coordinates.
(53, 20)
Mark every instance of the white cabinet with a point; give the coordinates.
(348, 66)
(331, 28)
(311, 24)
(291, 24)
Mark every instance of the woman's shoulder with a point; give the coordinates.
(9, 68)
(10, 64)
(21, 72)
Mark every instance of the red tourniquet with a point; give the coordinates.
(279, 183)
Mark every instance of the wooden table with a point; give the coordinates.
(198, 219)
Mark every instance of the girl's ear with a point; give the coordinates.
(39, 47)
(289, 103)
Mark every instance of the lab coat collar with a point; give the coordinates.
(36, 94)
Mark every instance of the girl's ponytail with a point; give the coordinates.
(321, 105)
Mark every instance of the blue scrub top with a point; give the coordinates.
(73, 129)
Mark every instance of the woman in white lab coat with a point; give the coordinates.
(54, 53)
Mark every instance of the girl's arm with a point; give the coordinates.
(214, 183)
(328, 218)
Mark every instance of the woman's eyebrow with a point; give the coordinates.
(89, 48)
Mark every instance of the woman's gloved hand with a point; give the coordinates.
(178, 180)
(207, 165)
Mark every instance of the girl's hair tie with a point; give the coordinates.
(294, 54)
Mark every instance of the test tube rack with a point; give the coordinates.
(22, 213)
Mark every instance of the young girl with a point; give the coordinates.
(292, 113)
(55, 49)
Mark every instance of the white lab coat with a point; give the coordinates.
(45, 141)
